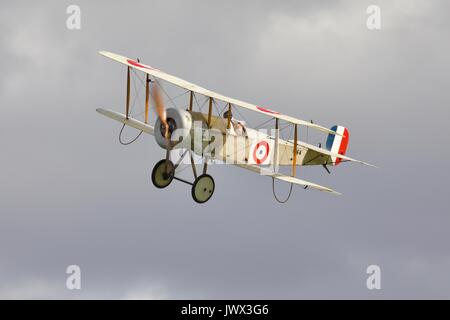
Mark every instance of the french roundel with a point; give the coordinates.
(261, 152)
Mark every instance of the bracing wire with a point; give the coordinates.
(273, 179)
(165, 92)
(136, 96)
(275, 194)
(129, 142)
(216, 107)
(132, 107)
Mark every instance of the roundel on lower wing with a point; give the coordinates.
(266, 110)
(261, 152)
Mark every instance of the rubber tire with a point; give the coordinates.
(201, 192)
(158, 173)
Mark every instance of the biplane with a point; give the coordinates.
(221, 137)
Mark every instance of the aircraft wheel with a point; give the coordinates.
(163, 173)
(203, 188)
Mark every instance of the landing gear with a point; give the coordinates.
(203, 188)
(163, 173)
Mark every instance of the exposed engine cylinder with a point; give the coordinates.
(180, 123)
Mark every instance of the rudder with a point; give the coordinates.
(336, 143)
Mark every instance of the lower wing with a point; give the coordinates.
(129, 122)
(286, 178)
(139, 125)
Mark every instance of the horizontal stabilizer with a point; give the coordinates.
(332, 154)
(129, 122)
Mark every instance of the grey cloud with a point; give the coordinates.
(72, 195)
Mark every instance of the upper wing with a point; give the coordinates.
(195, 88)
(286, 178)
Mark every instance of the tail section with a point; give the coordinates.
(338, 143)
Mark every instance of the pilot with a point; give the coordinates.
(238, 126)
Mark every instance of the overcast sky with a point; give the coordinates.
(71, 194)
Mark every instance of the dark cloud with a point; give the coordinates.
(72, 195)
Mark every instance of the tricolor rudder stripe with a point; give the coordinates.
(338, 144)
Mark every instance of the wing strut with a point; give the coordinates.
(127, 107)
(191, 97)
(277, 144)
(294, 157)
(225, 147)
(147, 95)
(205, 165)
(210, 112)
(275, 162)
(229, 117)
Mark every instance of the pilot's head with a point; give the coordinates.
(225, 114)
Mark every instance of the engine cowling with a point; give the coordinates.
(180, 124)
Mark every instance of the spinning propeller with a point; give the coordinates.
(165, 128)
(160, 110)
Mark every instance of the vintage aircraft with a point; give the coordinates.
(234, 142)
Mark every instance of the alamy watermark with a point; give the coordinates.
(73, 281)
(374, 280)
(374, 19)
(73, 21)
